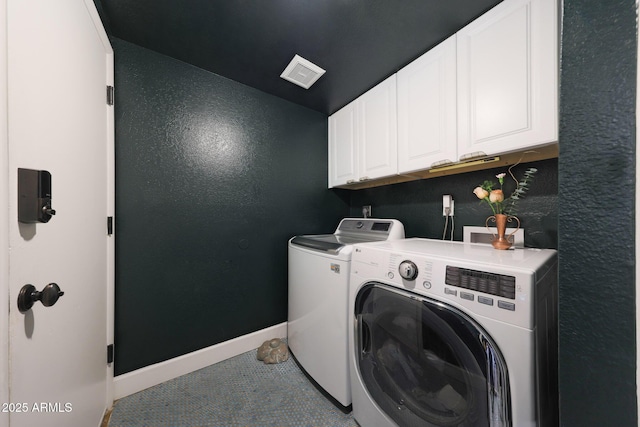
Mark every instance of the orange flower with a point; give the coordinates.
(496, 196)
(480, 192)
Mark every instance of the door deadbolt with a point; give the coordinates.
(29, 295)
(34, 196)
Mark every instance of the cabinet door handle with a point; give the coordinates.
(441, 163)
(364, 178)
(351, 181)
(474, 155)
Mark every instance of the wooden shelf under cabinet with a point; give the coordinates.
(508, 159)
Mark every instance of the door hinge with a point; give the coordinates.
(110, 95)
(109, 225)
(109, 354)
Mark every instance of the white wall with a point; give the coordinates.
(4, 221)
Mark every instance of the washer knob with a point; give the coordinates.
(408, 270)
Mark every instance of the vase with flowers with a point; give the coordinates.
(504, 209)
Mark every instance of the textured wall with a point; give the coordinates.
(212, 179)
(596, 214)
(185, 220)
(418, 204)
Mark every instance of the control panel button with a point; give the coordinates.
(448, 291)
(426, 284)
(390, 275)
(507, 305)
(485, 300)
(466, 295)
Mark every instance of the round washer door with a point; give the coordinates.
(425, 363)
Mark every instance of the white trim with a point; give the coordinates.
(95, 17)
(110, 291)
(149, 376)
(110, 157)
(4, 217)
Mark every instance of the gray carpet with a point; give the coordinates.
(240, 391)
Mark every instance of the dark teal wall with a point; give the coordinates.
(212, 179)
(596, 212)
(193, 269)
(418, 204)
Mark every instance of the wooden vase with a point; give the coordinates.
(500, 241)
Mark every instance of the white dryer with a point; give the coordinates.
(318, 275)
(453, 334)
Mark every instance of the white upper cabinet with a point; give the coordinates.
(490, 89)
(343, 147)
(427, 109)
(363, 137)
(508, 78)
(378, 131)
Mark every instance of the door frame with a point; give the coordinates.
(111, 191)
(5, 205)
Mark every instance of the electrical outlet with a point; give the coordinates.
(447, 205)
(366, 211)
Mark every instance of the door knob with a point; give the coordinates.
(29, 295)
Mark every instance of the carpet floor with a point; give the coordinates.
(240, 391)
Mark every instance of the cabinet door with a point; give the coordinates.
(377, 131)
(507, 78)
(427, 109)
(343, 147)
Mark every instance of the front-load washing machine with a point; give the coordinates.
(453, 334)
(318, 273)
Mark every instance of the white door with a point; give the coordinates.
(427, 109)
(378, 131)
(59, 63)
(507, 78)
(343, 146)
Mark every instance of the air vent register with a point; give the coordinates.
(302, 72)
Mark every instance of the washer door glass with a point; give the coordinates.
(426, 363)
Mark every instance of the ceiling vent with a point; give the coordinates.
(302, 72)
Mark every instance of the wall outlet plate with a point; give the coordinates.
(447, 203)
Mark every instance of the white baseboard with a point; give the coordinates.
(140, 379)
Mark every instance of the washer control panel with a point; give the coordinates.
(371, 228)
(481, 280)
